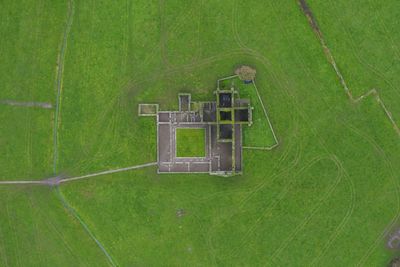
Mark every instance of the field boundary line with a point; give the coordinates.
(359, 58)
(74, 213)
(59, 79)
(329, 56)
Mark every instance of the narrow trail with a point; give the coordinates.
(328, 54)
(58, 180)
(29, 104)
(84, 225)
(59, 79)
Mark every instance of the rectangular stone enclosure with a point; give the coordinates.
(202, 137)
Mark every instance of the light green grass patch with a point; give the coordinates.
(190, 142)
(37, 230)
(30, 45)
(26, 142)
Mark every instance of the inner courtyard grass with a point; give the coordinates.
(190, 142)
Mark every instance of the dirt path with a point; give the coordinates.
(26, 104)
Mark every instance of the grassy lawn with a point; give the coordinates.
(326, 196)
(190, 142)
(26, 141)
(28, 54)
(36, 230)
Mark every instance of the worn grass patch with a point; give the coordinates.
(190, 142)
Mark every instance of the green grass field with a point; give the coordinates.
(328, 195)
(190, 142)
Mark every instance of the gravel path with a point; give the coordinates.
(59, 180)
(26, 104)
